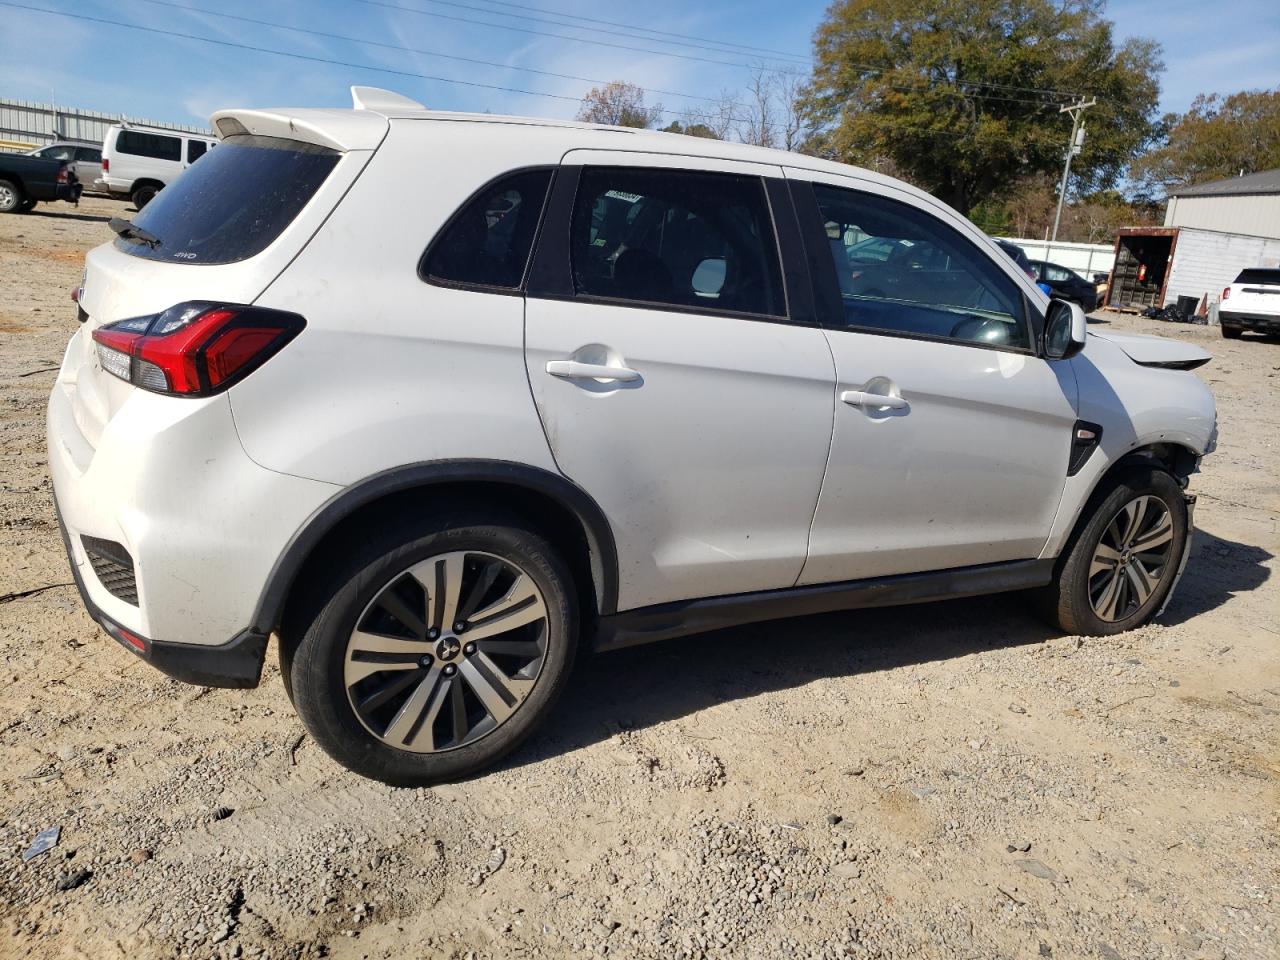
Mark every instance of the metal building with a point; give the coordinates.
(1245, 205)
(24, 125)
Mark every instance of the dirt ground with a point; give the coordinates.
(938, 781)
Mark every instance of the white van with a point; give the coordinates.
(138, 162)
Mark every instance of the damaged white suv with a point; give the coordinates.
(438, 399)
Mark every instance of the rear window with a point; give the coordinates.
(1257, 275)
(153, 145)
(234, 202)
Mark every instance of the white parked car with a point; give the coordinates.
(138, 162)
(1251, 302)
(596, 387)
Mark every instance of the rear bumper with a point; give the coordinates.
(236, 663)
(170, 528)
(1250, 321)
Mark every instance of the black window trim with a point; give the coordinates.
(551, 275)
(827, 285)
(519, 289)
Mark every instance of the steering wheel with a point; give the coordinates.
(976, 329)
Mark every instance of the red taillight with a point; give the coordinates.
(194, 349)
(106, 164)
(63, 174)
(1226, 292)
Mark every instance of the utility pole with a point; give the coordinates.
(1073, 147)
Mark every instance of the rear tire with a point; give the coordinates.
(413, 704)
(11, 197)
(143, 195)
(1121, 564)
(1231, 333)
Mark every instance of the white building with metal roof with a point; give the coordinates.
(1248, 205)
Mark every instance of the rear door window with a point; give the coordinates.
(195, 150)
(153, 145)
(89, 154)
(233, 203)
(487, 242)
(677, 238)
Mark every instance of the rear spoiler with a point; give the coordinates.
(361, 128)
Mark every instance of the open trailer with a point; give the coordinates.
(1161, 266)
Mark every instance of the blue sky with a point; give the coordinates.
(1207, 48)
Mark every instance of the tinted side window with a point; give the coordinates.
(57, 153)
(933, 283)
(1056, 274)
(153, 145)
(89, 154)
(195, 150)
(488, 241)
(698, 240)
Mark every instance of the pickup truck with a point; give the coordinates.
(1251, 302)
(26, 181)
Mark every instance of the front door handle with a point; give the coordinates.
(881, 401)
(573, 370)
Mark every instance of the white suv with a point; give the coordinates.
(594, 387)
(1251, 302)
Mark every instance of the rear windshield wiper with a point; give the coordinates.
(125, 229)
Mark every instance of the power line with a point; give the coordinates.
(743, 47)
(282, 53)
(311, 58)
(489, 63)
(561, 36)
(697, 43)
(416, 50)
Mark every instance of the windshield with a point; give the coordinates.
(234, 202)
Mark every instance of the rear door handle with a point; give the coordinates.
(857, 398)
(573, 370)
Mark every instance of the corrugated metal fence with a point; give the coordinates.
(38, 123)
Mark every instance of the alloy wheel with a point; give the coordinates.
(446, 651)
(1132, 557)
(8, 197)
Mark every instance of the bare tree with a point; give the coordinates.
(619, 104)
(718, 116)
(757, 123)
(788, 93)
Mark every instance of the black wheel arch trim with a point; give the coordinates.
(571, 497)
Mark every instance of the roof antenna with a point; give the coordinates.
(380, 101)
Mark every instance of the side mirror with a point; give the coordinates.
(1065, 330)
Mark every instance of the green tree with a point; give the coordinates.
(619, 104)
(1218, 137)
(963, 95)
(691, 129)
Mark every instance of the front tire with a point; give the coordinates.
(436, 653)
(1231, 333)
(1121, 565)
